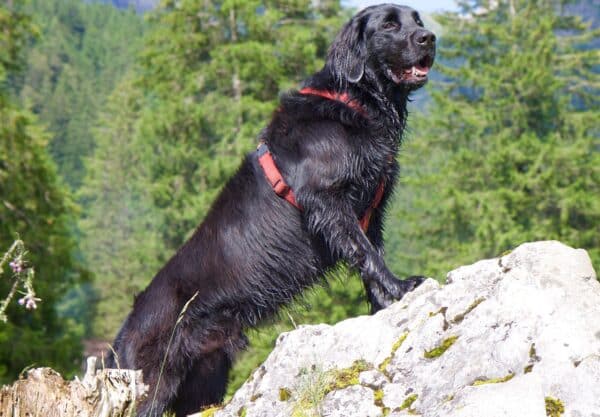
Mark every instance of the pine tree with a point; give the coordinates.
(212, 72)
(120, 225)
(84, 48)
(511, 139)
(35, 208)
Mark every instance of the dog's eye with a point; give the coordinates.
(418, 20)
(390, 24)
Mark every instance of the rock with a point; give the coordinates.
(356, 399)
(512, 336)
(373, 379)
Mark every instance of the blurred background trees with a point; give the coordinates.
(511, 140)
(35, 207)
(118, 130)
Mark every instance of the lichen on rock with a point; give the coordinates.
(484, 381)
(210, 411)
(439, 350)
(383, 365)
(342, 378)
(554, 407)
(408, 402)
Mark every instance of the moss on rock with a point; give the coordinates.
(493, 380)
(284, 394)
(343, 378)
(384, 364)
(408, 402)
(439, 350)
(460, 317)
(378, 396)
(554, 407)
(210, 412)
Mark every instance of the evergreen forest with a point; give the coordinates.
(119, 127)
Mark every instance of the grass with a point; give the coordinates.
(164, 361)
(315, 385)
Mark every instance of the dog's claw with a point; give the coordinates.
(381, 299)
(400, 287)
(413, 282)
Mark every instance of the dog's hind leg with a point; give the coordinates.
(205, 383)
(159, 399)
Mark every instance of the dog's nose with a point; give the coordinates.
(425, 38)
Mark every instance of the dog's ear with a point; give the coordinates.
(348, 52)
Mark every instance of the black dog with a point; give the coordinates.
(314, 193)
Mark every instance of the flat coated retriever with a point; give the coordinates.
(331, 149)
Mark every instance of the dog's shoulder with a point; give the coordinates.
(309, 119)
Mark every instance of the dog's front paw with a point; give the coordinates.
(413, 282)
(380, 298)
(398, 288)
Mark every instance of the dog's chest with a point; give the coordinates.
(375, 167)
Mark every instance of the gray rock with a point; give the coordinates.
(352, 401)
(505, 337)
(372, 379)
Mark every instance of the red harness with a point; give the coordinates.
(343, 97)
(283, 190)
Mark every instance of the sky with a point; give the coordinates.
(419, 5)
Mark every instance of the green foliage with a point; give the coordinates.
(509, 150)
(314, 384)
(84, 48)
(34, 207)
(309, 392)
(211, 80)
(120, 227)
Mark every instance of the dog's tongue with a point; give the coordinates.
(420, 69)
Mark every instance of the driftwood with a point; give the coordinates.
(101, 393)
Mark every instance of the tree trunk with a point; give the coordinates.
(102, 393)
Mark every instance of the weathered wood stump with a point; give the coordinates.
(101, 393)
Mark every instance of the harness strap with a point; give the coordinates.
(331, 95)
(366, 218)
(283, 190)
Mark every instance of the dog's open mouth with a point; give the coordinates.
(415, 74)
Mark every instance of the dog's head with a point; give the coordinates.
(388, 41)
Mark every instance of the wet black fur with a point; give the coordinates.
(255, 252)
